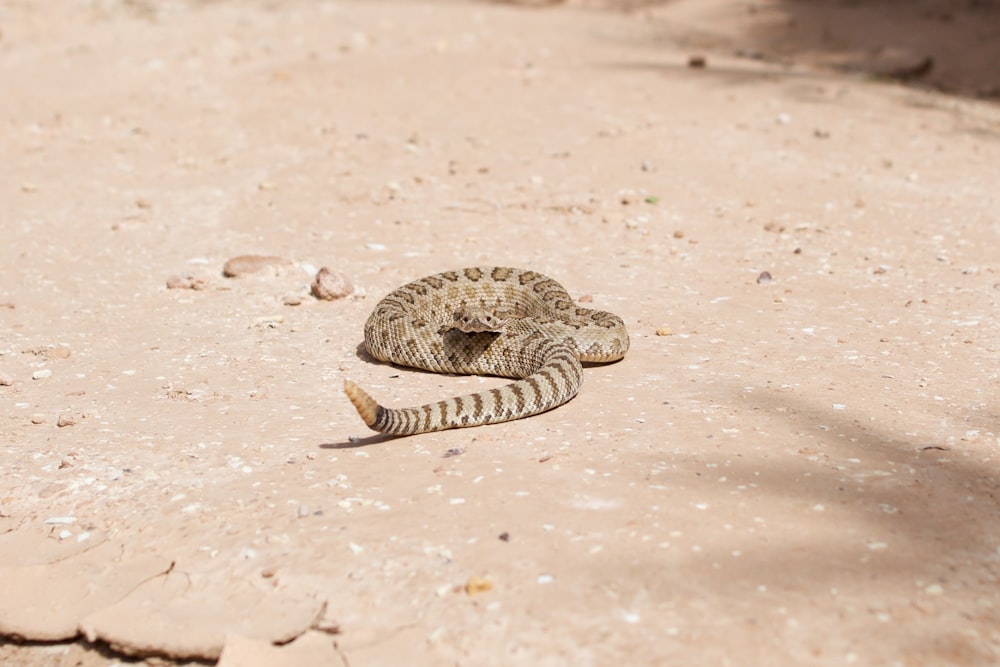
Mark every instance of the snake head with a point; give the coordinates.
(476, 320)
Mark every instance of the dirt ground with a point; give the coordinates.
(793, 205)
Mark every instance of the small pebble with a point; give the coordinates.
(188, 282)
(270, 321)
(764, 278)
(41, 374)
(65, 420)
(5, 380)
(328, 285)
(247, 264)
(697, 62)
(292, 301)
(37, 418)
(478, 585)
(60, 520)
(664, 331)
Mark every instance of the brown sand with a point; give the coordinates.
(796, 464)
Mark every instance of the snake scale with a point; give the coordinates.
(486, 321)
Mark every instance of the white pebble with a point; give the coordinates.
(934, 589)
(355, 548)
(60, 520)
(375, 246)
(545, 578)
(456, 501)
(41, 374)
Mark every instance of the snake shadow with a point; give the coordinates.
(354, 442)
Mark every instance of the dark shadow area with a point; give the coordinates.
(947, 45)
(931, 510)
(356, 442)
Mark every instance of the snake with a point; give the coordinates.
(489, 320)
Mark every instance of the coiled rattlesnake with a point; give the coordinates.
(486, 321)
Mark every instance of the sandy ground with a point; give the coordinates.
(800, 469)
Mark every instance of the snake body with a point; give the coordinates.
(486, 321)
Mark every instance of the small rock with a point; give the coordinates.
(764, 278)
(50, 352)
(41, 374)
(37, 418)
(268, 321)
(329, 285)
(247, 264)
(292, 301)
(5, 380)
(65, 420)
(697, 61)
(478, 585)
(664, 331)
(188, 282)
